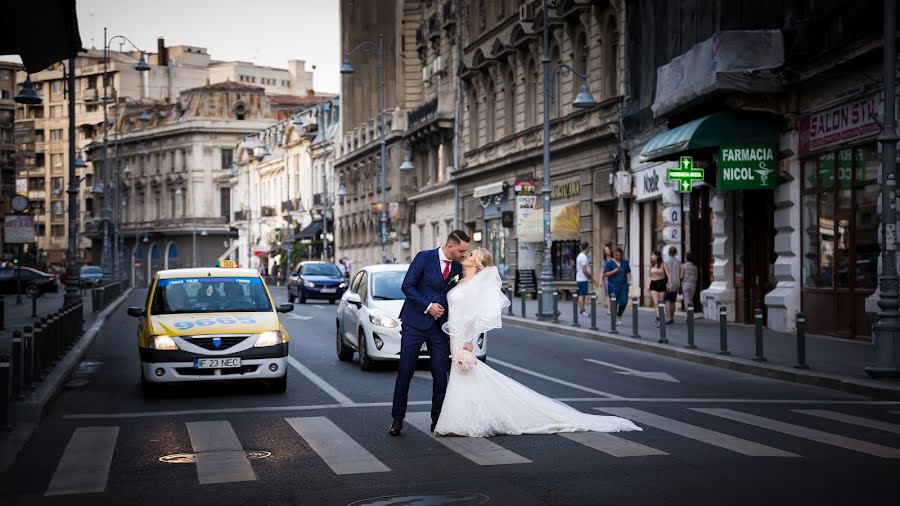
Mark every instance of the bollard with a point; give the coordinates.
(540, 313)
(56, 331)
(555, 307)
(801, 342)
(4, 388)
(613, 313)
(594, 313)
(575, 311)
(522, 301)
(511, 294)
(15, 367)
(723, 331)
(661, 322)
(2, 312)
(28, 370)
(34, 297)
(758, 322)
(39, 352)
(690, 327)
(635, 333)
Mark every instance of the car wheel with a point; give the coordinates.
(32, 290)
(279, 385)
(291, 297)
(483, 359)
(331, 301)
(344, 352)
(365, 362)
(302, 298)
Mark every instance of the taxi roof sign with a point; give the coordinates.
(227, 264)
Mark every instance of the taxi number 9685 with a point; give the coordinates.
(206, 322)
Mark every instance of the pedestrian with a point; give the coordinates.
(349, 265)
(618, 278)
(673, 286)
(583, 276)
(607, 256)
(689, 274)
(275, 270)
(342, 267)
(657, 281)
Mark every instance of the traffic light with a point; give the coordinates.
(16, 261)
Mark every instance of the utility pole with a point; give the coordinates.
(72, 272)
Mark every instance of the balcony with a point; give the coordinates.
(433, 31)
(449, 16)
(92, 95)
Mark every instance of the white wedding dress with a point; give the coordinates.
(482, 402)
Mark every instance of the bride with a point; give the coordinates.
(482, 402)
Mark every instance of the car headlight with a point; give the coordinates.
(309, 284)
(269, 338)
(162, 342)
(342, 285)
(383, 321)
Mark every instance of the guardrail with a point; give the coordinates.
(103, 295)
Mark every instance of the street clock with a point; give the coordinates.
(19, 203)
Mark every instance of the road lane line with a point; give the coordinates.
(735, 444)
(342, 399)
(84, 466)
(299, 317)
(804, 432)
(555, 380)
(341, 452)
(479, 450)
(613, 445)
(318, 306)
(851, 419)
(220, 456)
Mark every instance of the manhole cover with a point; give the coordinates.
(191, 458)
(427, 499)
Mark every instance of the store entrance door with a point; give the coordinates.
(755, 270)
(698, 235)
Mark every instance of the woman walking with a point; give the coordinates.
(607, 256)
(689, 274)
(618, 278)
(658, 281)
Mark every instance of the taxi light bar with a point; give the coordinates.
(227, 264)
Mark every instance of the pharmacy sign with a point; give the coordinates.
(747, 167)
(685, 175)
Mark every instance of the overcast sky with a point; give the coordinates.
(265, 32)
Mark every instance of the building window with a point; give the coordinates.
(58, 230)
(580, 61)
(56, 184)
(56, 159)
(531, 93)
(225, 202)
(509, 104)
(40, 230)
(473, 118)
(490, 109)
(421, 237)
(57, 86)
(610, 58)
(57, 208)
(435, 234)
(5, 75)
(227, 158)
(90, 82)
(5, 95)
(56, 134)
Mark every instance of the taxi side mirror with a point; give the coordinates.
(285, 308)
(137, 312)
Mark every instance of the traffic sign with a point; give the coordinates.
(137, 263)
(685, 174)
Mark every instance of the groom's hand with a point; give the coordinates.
(436, 310)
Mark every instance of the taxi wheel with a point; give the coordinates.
(365, 362)
(279, 385)
(344, 352)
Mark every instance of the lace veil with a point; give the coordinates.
(476, 306)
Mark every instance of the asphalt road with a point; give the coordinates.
(711, 436)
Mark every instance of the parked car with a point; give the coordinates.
(34, 282)
(368, 319)
(316, 280)
(91, 275)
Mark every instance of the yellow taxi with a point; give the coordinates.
(211, 324)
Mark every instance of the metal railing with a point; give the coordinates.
(102, 296)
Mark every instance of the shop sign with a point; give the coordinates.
(747, 167)
(672, 233)
(672, 216)
(685, 175)
(566, 190)
(840, 124)
(525, 205)
(19, 228)
(649, 182)
(526, 282)
(524, 187)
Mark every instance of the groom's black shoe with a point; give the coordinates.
(396, 427)
(433, 425)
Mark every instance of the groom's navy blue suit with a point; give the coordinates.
(424, 284)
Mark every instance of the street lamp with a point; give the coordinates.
(27, 95)
(140, 66)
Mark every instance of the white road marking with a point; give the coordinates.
(299, 317)
(220, 456)
(555, 380)
(634, 372)
(851, 419)
(735, 444)
(479, 450)
(318, 306)
(341, 452)
(342, 399)
(84, 466)
(804, 432)
(613, 445)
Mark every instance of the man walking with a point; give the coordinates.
(583, 276)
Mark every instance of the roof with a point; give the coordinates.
(227, 86)
(386, 267)
(301, 101)
(203, 272)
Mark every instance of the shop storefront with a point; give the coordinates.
(839, 218)
(493, 235)
(565, 228)
(654, 198)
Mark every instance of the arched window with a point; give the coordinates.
(580, 61)
(554, 61)
(490, 112)
(509, 103)
(473, 117)
(531, 93)
(610, 58)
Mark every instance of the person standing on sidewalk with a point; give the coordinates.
(583, 276)
(607, 256)
(618, 278)
(673, 286)
(657, 281)
(688, 278)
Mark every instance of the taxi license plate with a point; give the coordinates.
(329, 290)
(423, 348)
(216, 363)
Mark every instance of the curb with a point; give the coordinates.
(29, 413)
(786, 373)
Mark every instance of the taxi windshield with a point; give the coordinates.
(209, 295)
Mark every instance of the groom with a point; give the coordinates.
(430, 276)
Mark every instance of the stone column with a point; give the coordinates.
(721, 291)
(783, 302)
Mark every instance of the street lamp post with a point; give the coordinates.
(72, 272)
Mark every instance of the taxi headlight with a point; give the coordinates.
(383, 321)
(342, 285)
(162, 342)
(269, 338)
(309, 284)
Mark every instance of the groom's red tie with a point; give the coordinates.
(446, 271)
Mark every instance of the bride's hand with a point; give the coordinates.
(468, 346)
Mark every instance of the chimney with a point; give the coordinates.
(162, 53)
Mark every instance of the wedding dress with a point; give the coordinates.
(482, 402)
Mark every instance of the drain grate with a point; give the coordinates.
(191, 458)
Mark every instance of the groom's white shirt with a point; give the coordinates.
(441, 259)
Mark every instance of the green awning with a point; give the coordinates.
(711, 132)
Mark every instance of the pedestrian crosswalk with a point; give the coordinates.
(221, 455)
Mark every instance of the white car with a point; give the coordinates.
(368, 319)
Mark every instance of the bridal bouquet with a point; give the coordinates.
(465, 360)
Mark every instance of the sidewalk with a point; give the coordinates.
(18, 316)
(834, 363)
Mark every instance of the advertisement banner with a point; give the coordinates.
(525, 206)
(846, 122)
(19, 228)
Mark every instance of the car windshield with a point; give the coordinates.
(387, 285)
(320, 270)
(209, 295)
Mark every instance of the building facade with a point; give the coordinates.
(8, 160)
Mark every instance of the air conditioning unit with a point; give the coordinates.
(440, 66)
(426, 75)
(526, 12)
(623, 184)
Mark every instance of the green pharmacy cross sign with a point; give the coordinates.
(685, 174)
